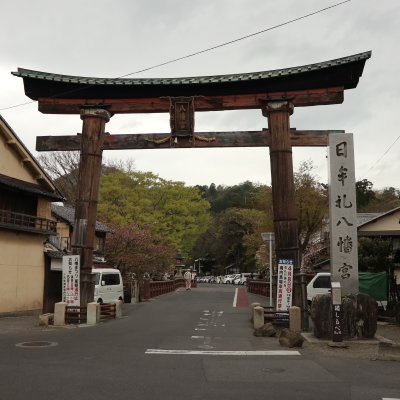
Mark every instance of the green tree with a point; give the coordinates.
(233, 238)
(387, 199)
(222, 197)
(171, 209)
(374, 254)
(312, 204)
(364, 194)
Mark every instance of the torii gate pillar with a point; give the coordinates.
(285, 215)
(83, 240)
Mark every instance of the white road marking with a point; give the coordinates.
(200, 329)
(235, 298)
(224, 353)
(197, 337)
(389, 398)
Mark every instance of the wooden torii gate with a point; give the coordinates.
(275, 93)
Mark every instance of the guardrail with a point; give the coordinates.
(260, 286)
(108, 311)
(276, 317)
(75, 315)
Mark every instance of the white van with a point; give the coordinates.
(319, 284)
(108, 285)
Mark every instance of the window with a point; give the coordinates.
(323, 282)
(111, 279)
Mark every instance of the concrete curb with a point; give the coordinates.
(388, 352)
(312, 339)
(386, 349)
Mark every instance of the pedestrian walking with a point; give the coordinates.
(188, 279)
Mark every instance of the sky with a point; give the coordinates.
(112, 38)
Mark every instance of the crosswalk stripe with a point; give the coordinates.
(224, 353)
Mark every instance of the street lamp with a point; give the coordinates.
(269, 237)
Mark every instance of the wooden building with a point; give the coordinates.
(26, 193)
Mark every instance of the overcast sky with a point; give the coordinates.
(111, 38)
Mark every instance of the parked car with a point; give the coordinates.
(230, 278)
(236, 280)
(242, 278)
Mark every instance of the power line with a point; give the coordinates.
(200, 51)
(383, 155)
(18, 105)
(235, 40)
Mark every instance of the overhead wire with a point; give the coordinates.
(381, 157)
(200, 51)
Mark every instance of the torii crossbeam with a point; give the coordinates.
(275, 93)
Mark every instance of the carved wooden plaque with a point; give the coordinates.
(182, 116)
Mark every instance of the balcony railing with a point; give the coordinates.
(27, 223)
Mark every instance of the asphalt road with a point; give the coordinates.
(185, 345)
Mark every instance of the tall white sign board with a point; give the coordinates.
(343, 212)
(284, 288)
(70, 280)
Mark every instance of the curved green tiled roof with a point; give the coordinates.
(251, 76)
(44, 84)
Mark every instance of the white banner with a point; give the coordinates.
(284, 288)
(70, 280)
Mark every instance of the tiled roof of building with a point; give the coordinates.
(365, 218)
(67, 213)
(28, 187)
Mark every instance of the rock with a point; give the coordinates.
(289, 338)
(46, 319)
(359, 316)
(267, 330)
(349, 306)
(321, 315)
(366, 316)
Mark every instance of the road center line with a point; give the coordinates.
(235, 298)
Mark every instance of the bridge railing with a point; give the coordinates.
(259, 286)
(156, 288)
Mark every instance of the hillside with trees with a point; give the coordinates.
(153, 218)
